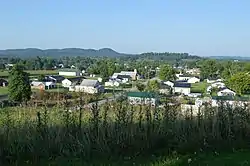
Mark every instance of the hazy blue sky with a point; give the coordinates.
(202, 27)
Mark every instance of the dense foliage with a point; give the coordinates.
(118, 130)
(240, 83)
(19, 85)
(167, 73)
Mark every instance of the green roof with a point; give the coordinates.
(237, 98)
(141, 94)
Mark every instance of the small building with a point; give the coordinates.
(195, 95)
(194, 71)
(67, 82)
(70, 72)
(42, 85)
(88, 86)
(3, 82)
(213, 80)
(193, 80)
(218, 85)
(226, 92)
(142, 98)
(124, 78)
(183, 77)
(112, 83)
(132, 74)
(54, 78)
(183, 88)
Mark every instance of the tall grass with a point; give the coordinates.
(118, 130)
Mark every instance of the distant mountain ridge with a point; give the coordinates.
(33, 52)
(104, 52)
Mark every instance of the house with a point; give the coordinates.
(88, 86)
(42, 85)
(218, 85)
(73, 67)
(194, 71)
(142, 98)
(183, 88)
(195, 95)
(169, 83)
(3, 82)
(132, 74)
(70, 72)
(67, 82)
(226, 92)
(54, 78)
(193, 80)
(61, 65)
(112, 83)
(9, 66)
(124, 78)
(213, 80)
(231, 101)
(182, 77)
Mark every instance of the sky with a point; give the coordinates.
(198, 27)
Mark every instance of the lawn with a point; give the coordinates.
(32, 72)
(3, 90)
(199, 87)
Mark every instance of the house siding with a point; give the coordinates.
(182, 90)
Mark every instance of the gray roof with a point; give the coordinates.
(91, 83)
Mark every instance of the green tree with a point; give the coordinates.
(209, 69)
(153, 85)
(41, 77)
(19, 85)
(167, 73)
(240, 83)
(141, 87)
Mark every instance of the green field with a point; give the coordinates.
(3, 90)
(199, 87)
(32, 72)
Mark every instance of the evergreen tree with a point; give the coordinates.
(19, 86)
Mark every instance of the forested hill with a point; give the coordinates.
(104, 52)
(70, 52)
(164, 56)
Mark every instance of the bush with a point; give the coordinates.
(118, 129)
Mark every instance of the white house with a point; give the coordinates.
(124, 78)
(142, 98)
(88, 86)
(213, 80)
(194, 71)
(112, 83)
(183, 77)
(183, 88)
(169, 83)
(67, 82)
(42, 85)
(132, 74)
(193, 80)
(218, 85)
(226, 92)
(70, 72)
(194, 95)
